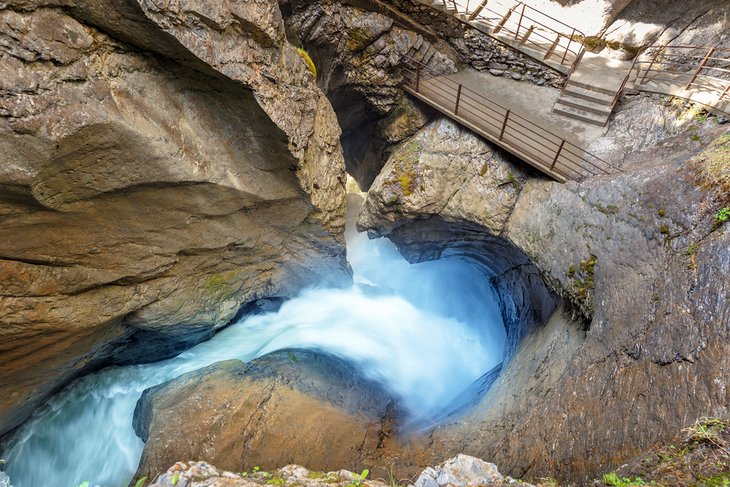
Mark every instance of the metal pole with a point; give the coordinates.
(560, 149)
(519, 23)
(567, 48)
(702, 65)
(458, 96)
(654, 59)
(727, 90)
(504, 125)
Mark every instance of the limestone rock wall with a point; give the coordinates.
(161, 164)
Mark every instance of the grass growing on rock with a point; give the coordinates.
(702, 459)
(581, 283)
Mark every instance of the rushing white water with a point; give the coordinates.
(426, 331)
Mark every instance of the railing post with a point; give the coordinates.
(557, 154)
(724, 93)
(418, 77)
(702, 65)
(519, 23)
(504, 125)
(567, 48)
(477, 10)
(458, 96)
(651, 64)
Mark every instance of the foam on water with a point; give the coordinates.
(426, 331)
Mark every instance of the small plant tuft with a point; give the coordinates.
(140, 482)
(359, 479)
(721, 217)
(308, 60)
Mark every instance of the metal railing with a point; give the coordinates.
(544, 150)
(527, 26)
(704, 68)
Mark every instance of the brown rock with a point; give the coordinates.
(291, 406)
(152, 183)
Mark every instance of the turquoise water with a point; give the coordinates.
(426, 331)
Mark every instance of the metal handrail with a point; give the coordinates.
(543, 149)
(530, 23)
(665, 63)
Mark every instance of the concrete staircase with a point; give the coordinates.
(586, 103)
(591, 91)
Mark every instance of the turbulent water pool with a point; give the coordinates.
(426, 331)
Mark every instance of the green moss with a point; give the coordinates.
(607, 210)
(582, 282)
(308, 60)
(614, 480)
(720, 480)
(404, 161)
(407, 181)
(222, 285)
(661, 212)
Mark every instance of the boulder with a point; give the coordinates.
(290, 406)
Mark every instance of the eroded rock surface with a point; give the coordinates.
(162, 164)
(640, 347)
(290, 406)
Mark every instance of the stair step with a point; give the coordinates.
(590, 95)
(588, 106)
(588, 87)
(581, 115)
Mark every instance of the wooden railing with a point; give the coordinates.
(557, 41)
(544, 150)
(703, 68)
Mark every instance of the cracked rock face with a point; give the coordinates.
(162, 165)
(288, 406)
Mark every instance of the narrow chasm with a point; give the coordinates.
(433, 335)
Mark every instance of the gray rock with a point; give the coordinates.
(461, 471)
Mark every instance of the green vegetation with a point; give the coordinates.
(175, 478)
(358, 480)
(722, 216)
(140, 482)
(695, 138)
(404, 176)
(712, 168)
(85, 483)
(308, 60)
(607, 210)
(582, 280)
(616, 481)
(661, 212)
(512, 179)
(701, 460)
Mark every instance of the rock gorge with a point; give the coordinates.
(168, 165)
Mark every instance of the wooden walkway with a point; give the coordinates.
(551, 154)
